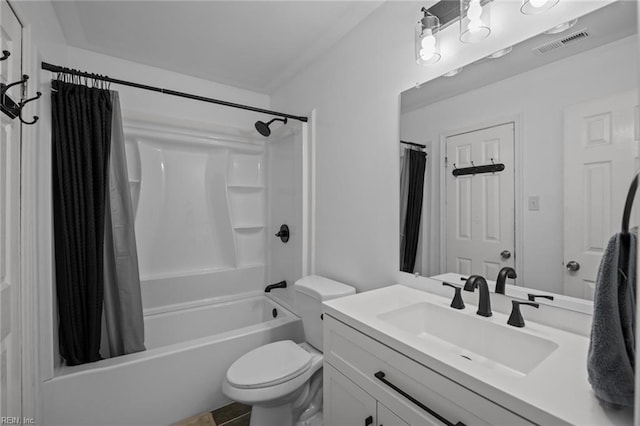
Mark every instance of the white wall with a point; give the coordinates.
(173, 108)
(355, 88)
(538, 97)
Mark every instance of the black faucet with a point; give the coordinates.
(506, 272)
(515, 319)
(281, 284)
(484, 303)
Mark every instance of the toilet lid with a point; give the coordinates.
(269, 365)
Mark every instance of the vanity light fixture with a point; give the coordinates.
(427, 46)
(562, 27)
(452, 72)
(533, 7)
(475, 21)
(500, 53)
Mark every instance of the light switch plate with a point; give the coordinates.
(534, 203)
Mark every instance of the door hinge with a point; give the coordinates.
(446, 161)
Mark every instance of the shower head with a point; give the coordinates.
(263, 128)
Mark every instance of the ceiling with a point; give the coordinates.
(255, 45)
(608, 24)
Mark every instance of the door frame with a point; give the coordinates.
(29, 266)
(517, 120)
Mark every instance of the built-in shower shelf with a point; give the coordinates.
(134, 181)
(248, 227)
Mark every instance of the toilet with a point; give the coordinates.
(282, 381)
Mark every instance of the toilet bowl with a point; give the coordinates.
(282, 381)
(275, 380)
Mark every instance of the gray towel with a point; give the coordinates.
(610, 361)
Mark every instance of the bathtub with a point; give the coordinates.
(189, 349)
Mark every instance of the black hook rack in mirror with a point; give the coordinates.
(476, 170)
(12, 108)
(5, 55)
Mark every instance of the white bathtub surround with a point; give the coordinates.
(178, 376)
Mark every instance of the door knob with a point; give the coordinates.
(506, 254)
(283, 234)
(573, 266)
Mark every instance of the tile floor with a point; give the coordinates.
(234, 414)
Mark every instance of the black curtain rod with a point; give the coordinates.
(414, 144)
(59, 69)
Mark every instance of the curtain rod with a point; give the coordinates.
(65, 70)
(414, 144)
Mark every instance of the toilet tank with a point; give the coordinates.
(311, 291)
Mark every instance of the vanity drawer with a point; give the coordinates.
(406, 384)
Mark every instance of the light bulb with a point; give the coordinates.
(537, 3)
(428, 41)
(474, 12)
(425, 54)
(475, 25)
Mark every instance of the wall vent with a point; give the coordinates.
(561, 42)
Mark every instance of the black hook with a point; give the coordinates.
(5, 55)
(23, 103)
(474, 168)
(5, 87)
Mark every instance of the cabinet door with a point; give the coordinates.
(387, 417)
(346, 404)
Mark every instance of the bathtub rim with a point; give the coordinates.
(63, 371)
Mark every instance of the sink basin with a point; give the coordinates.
(471, 337)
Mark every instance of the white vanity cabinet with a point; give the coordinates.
(347, 404)
(369, 383)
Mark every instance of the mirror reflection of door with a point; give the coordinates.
(599, 136)
(480, 219)
(480, 208)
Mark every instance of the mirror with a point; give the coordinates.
(527, 157)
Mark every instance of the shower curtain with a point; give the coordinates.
(82, 129)
(417, 161)
(122, 322)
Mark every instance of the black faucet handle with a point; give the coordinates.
(457, 302)
(533, 297)
(515, 319)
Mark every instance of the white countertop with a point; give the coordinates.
(554, 392)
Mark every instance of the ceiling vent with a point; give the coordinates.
(561, 42)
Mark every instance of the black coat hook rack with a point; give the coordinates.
(477, 170)
(10, 107)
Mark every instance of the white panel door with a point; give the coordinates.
(480, 209)
(345, 403)
(599, 163)
(10, 370)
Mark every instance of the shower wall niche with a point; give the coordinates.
(200, 212)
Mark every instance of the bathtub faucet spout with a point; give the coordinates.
(281, 284)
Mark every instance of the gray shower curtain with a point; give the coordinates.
(122, 320)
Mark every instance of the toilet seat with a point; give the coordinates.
(269, 365)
